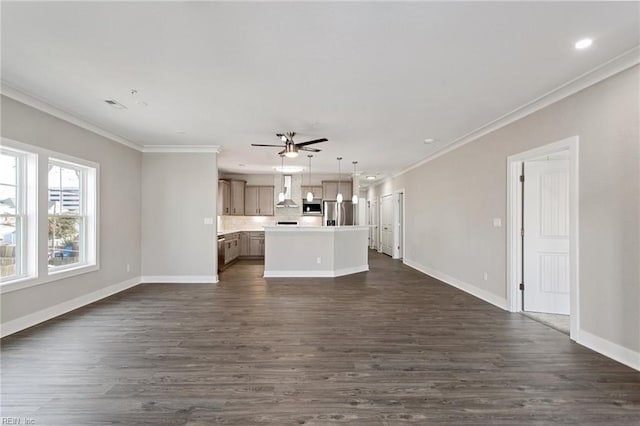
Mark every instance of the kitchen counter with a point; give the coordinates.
(313, 251)
(233, 231)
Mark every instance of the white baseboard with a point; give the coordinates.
(180, 279)
(500, 302)
(30, 320)
(609, 349)
(352, 270)
(316, 274)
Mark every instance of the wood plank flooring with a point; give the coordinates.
(390, 346)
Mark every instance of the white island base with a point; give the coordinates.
(305, 251)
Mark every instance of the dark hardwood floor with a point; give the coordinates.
(390, 346)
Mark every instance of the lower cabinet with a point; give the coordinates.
(253, 244)
(248, 244)
(232, 247)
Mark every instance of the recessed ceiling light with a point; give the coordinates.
(429, 140)
(371, 177)
(115, 104)
(584, 43)
(289, 169)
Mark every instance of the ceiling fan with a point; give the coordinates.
(290, 147)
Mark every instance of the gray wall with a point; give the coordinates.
(119, 204)
(450, 203)
(179, 190)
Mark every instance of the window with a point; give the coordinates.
(36, 183)
(12, 214)
(71, 214)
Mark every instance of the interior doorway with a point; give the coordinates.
(398, 224)
(546, 234)
(543, 234)
(374, 225)
(386, 224)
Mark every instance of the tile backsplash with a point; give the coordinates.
(226, 223)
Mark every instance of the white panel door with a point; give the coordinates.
(386, 224)
(375, 225)
(546, 236)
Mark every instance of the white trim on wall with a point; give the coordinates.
(58, 112)
(514, 295)
(35, 318)
(607, 348)
(180, 279)
(172, 149)
(459, 284)
(316, 274)
(596, 75)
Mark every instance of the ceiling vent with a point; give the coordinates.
(115, 104)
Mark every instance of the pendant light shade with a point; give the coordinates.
(354, 199)
(309, 194)
(339, 196)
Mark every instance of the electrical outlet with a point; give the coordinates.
(319, 260)
(486, 276)
(128, 268)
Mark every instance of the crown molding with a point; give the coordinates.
(56, 111)
(614, 66)
(216, 149)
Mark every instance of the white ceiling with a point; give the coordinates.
(375, 78)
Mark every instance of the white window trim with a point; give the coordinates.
(87, 210)
(39, 259)
(27, 187)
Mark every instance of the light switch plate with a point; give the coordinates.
(497, 222)
(208, 221)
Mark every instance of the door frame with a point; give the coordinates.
(393, 234)
(514, 196)
(398, 254)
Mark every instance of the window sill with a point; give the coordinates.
(26, 282)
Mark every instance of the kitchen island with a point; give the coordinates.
(307, 251)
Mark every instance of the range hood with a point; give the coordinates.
(288, 202)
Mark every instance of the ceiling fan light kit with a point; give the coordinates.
(290, 147)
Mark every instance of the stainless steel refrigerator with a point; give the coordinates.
(334, 214)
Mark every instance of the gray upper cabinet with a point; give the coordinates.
(258, 201)
(224, 197)
(231, 197)
(330, 189)
(237, 197)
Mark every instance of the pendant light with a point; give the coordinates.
(309, 194)
(354, 199)
(281, 194)
(339, 196)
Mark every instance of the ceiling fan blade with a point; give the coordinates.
(259, 144)
(281, 153)
(302, 148)
(312, 142)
